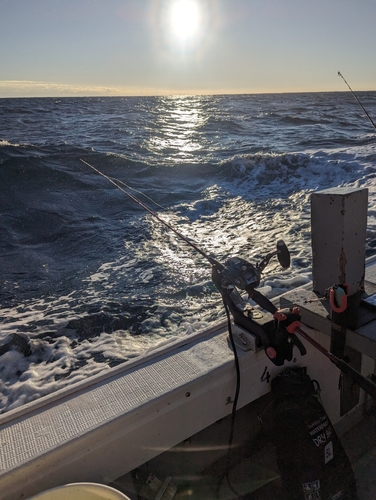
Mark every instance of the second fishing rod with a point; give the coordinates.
(357, 99)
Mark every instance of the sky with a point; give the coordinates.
(165, 47)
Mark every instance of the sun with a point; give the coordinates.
(185, 19)
(183, 27)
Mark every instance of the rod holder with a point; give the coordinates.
(339, 223)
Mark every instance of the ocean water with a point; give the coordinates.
(89, 279)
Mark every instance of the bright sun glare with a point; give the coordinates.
(185, 19)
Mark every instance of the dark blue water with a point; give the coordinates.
(90, 278)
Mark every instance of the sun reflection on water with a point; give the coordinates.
(178, 122)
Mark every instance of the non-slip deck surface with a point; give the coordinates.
(59, 422)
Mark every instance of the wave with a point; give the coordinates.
(265, 175)
(37, 180)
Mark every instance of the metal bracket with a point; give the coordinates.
(245, 340)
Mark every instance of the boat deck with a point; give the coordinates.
(110, 424)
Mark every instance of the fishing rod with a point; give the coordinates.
(367, 385)
(151, 212)
(237, 273)
(360, 104)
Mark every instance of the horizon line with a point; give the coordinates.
(39, 89)
(179, 94)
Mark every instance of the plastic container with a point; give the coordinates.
(81, 491)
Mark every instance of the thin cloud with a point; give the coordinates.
(32, 88)
(37, 88)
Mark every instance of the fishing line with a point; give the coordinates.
(360, 104)
(162, 221)
(139, 192)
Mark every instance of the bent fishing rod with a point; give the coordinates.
(360, 104)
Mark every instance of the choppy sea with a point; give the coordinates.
(89, 279)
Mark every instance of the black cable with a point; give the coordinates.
(233, 412)
(237, 368)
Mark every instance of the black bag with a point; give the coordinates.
(311, 459)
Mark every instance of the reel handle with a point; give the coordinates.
(282, 253)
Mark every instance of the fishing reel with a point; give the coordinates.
(272, 331)
(245, 275)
